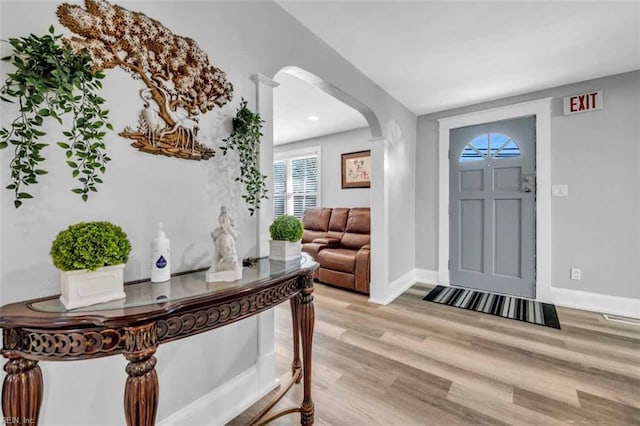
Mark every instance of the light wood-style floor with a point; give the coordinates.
(419, 363)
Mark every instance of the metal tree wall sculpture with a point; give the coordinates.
(180, 83)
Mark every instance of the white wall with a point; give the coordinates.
(400, 173)
(332, 147)
(242, 38)
(597, 154)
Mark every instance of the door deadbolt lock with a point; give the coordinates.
(527, 181)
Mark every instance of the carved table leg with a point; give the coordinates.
(307, 319)
(295, 319)
(22, 390)
(141, 391)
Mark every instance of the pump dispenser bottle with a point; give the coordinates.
(160, 265)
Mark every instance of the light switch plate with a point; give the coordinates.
(560, 190)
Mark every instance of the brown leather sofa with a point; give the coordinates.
(339, 239)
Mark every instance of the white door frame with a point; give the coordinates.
(541, 108)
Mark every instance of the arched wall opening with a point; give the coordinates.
(333, 91)
(379, 255)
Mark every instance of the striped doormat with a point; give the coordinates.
(496, 304)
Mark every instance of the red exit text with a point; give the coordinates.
(583, 102)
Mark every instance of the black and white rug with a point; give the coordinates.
(496, 304)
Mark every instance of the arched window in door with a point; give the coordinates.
(490, 145)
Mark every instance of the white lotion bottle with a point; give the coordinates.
(160, 259)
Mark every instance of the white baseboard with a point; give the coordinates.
(426, 276)
(626, 307)
(227, 400)
(543, 292)
(396, 288)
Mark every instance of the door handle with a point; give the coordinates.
(528, 182)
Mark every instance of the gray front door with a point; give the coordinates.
(492, 210)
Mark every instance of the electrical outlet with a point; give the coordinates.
(576, 274)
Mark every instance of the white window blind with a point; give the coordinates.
(296, 183)
(304, 174)
(279, 188)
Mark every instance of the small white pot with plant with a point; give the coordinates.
(286, 233)
(91, 258)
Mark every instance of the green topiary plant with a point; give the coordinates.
(51, 80)
(245, 139)
(286, 228)
(90, 245)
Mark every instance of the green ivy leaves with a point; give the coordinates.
(245, 140)
(51, 80)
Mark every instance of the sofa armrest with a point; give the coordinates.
(329, 242)
(362, 269)
(318, 244)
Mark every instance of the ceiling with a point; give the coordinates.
(436, 55)
(295, 101)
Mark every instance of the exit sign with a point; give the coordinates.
(582, 103)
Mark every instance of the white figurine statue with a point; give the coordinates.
(225, 265)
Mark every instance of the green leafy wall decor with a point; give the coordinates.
(51, 80)
(245, 140)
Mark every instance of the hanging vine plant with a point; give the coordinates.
(52, 80)
(245, 140)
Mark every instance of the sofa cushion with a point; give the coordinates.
(355, 241)
(359, 221)
(315, 223)
(338, 220)
(337, 223)
(338, 259)
(316, 219)
(357, 229)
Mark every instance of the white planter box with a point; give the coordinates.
(84, 288)
(284, 250)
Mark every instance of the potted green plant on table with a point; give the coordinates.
(91, 258)
(286, 232)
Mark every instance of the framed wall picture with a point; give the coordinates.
(356, 169)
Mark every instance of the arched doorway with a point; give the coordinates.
(331, 90)
(265, 86)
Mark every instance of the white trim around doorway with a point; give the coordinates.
(541, 108)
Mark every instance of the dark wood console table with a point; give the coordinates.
(152, 314)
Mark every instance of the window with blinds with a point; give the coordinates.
(279, 188)
(296, 184)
